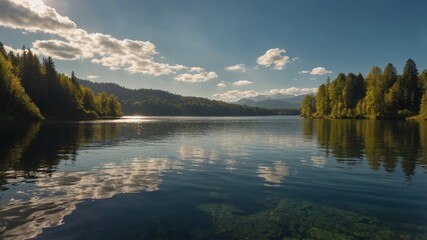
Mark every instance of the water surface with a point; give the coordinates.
(214, 178)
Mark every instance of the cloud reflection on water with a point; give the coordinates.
(273, 175)
(318, 161)
(58, 194)
(198, 154)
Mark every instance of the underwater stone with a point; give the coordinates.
(292, 219)
(322, 234)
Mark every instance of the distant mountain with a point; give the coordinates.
(162, 103)
(269, 104)
(296, 99)
(277, 101)
(277, 96)
(245, 101)
(257, 98)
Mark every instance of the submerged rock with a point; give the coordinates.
(292, 219)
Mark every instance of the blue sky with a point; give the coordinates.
(218, 49)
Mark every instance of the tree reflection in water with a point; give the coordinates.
(385, 145)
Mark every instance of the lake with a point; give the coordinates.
(214, 178)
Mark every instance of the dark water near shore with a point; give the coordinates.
(214, 178)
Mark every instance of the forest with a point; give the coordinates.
(34, 90)
(380, 95)
(160, 103)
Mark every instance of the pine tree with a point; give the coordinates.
(411, 90)
(375, 104)
(15, 104)
(322, 102)
(308, 106)
(388, 80)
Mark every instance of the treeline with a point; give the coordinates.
(190, 106)
(33, 90)
(160, 103)
(381, 95)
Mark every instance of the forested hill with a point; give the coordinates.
(32, 90)
(162, 103)
(380, 95)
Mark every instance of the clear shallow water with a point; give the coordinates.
(214, 178)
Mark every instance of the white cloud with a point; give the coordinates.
(242, 83)
(292, 91)
(319, 71)
(316, 71)
(196, 69)
(10, 49)
(197, 77)
(133, 56)
(33, 16)
(273, 58)
(149, 67)
(312, 78)
(236, 95)
(92, 76)
(222, 84)
(59, 49)
(236, 68)
(296, 59)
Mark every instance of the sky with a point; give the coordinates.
(219, 49)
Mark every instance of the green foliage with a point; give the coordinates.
(161, 103)
(308, 106)
(107, 105)
(423, 88)
(15, 104)
(411, 89)
(55, 95)
(193, 106)
(323, 103)
(375, 104)
(383, 95)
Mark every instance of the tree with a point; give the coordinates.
(388, 80)
(423, 81)
(423, 88)
(308, 106)
(411, 90)
(3, 50)
(375, 104)
(336, 90)
(322, 102)
(354, 90)
(15, 104)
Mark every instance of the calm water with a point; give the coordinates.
(214, 178)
